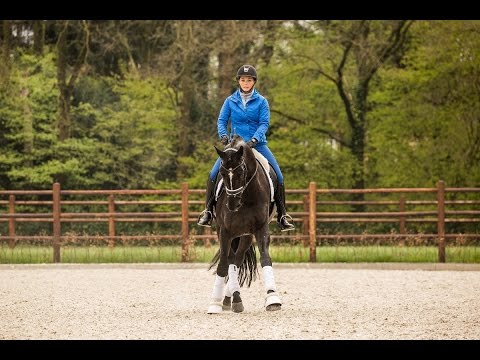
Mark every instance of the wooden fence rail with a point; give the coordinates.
(309, 217)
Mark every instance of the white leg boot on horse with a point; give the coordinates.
(272, 300)
(215, 306)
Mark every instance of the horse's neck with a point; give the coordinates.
(252, 169)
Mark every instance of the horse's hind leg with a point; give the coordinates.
(233, 284)
(272, 300)
(227, 300)
(234, 288)
(237, 304)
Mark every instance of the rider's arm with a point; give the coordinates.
(264, 122)
(222, 121)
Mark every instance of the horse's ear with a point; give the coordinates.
(240, 151)
(219, 152)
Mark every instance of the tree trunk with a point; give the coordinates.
(5, 52)
(38, 36)
(6, 38)
(266, 51)
(186, 114)
(66, 83)
(64, 91)
(226, 76)
(358, 138)
(27, 126)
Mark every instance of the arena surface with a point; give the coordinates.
(169, 301)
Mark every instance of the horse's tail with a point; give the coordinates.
(215, 260)
(248, 270)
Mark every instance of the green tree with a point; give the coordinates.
(347, 54)
(27, 119)
(131, 137)
(426, 114)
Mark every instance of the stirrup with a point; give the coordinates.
(287, 226)
(208, 223)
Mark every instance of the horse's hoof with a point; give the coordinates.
(215, 308)
(274, 307)
(227, 303)
(273, 302)
(237, 307)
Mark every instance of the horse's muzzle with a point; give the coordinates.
(234, 204)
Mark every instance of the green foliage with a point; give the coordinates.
(132, 136)
(27, 118)
(421, 119)
(305, 109)
(425, 118)
(200, 163)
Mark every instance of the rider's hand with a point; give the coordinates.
(252, 142)
(224, 140)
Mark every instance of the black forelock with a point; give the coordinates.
(237, 141)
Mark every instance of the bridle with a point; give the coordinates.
(239, 191)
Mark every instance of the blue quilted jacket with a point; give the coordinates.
(249, 122)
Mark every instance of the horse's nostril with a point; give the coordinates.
(234, 207)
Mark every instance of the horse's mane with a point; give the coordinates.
(236, 142)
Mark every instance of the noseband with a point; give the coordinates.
(239, 191)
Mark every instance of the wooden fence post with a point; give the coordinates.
(111, 221)
(57, 230)
(207, 242)
(312, 223)
(11, 221)
(441, 220)
(306, 206)
(185, 237)
(402, 219)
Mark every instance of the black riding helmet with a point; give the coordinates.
(247, 70)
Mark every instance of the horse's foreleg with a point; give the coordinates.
(215, 305)
(272, 301)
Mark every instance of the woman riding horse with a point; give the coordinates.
(242, 211)
(249, 114)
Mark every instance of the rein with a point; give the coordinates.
(239, 191)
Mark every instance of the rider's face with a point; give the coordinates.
(246, 83)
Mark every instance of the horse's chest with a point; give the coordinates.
(240, 222)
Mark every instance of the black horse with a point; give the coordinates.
(243, 209)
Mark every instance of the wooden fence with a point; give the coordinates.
(308, 220)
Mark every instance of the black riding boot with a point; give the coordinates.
(283, 217)
(206, 216)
